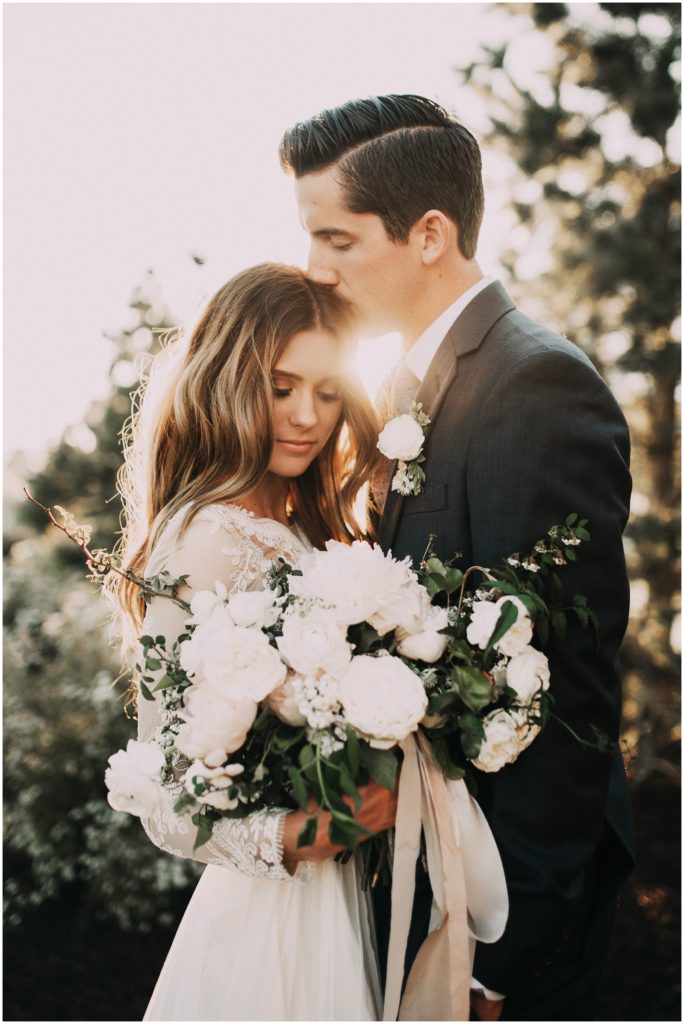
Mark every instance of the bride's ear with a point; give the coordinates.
(437, 235)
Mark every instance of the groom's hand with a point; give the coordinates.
(484, 1009)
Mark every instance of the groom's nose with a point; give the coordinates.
(320, 269)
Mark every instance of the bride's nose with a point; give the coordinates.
(303, 414)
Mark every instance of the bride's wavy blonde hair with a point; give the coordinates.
(209, 436)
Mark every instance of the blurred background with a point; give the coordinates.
(141, 172)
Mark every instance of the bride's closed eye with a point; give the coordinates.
(325, 396)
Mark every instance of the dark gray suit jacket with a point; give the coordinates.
(524, 431)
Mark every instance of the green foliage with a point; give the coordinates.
(63, 719)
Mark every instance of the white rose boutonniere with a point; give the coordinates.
(402, 439)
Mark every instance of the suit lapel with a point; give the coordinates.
(465, 335)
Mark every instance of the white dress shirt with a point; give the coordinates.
(421, 353)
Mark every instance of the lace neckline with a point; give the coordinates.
(291, 531)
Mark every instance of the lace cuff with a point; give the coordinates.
(252, 845)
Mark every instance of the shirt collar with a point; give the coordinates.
(421, 353)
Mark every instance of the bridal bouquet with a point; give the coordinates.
(303, 692)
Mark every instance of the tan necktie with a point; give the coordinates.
(394, 397)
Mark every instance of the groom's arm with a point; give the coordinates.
(551, 440)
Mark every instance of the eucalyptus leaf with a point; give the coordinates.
(381, 765)
(298, 787)
(145, 690)
(307, 835)
(474, 688)
(165, 683)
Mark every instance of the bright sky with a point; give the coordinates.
(136, 133)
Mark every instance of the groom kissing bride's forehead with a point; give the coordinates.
(522, 430)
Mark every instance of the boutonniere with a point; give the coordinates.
(402, 438)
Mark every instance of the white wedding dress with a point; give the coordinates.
(255, 943)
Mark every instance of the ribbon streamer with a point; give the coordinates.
(470, 901)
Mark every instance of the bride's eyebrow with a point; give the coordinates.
(335, 381)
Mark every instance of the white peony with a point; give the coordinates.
(219, 778)
(314, 642)
(215, 623)
(213, 723)
(484, 617)
(359, 583)
(424, 642)
(205, 601)
(401, 438)
(237, 662)
(133, 779)
(528, 673)
(507, 734)
(382, 698)
(284, 704)
(254, 609)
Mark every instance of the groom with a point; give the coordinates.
(523, 432)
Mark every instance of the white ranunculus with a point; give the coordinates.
(425, 643)
(133, 779)
(283, 703)
(205, 601)
(528, 673)
(518, 636)
(401, 438)
(219, 778)
(254, 609)
(313, 642)
(382, 699)
(507, 734)
(484, 616)
(239, 663)
(213, 723)
(359, 583)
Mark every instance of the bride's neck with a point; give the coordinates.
(269, 499)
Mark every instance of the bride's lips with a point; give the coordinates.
(297, 447)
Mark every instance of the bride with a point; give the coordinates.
(258, 449)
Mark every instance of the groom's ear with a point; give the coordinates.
(437, 235)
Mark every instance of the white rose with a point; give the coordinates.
(283, 703)
(402, 438)
(133, 779)
(314, 642)
(253, 608)
(213, 723)
(219, 779)
(240, 664)
(507, 734)
(382, 698)
(518, 636)
(426, 643)
(528, 673)
(359, 583)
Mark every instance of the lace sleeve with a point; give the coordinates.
(210, 551)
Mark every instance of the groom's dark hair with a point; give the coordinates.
(398, 156)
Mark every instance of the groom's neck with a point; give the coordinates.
(442, 286)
